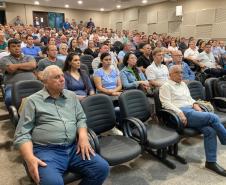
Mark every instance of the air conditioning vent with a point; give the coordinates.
(2, 5)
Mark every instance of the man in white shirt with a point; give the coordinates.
(192, 53)
(175, 95)
(157, 73)
(208, 64)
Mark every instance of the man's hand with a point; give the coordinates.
(12, 68)
(197, 107)
(32, 165)
(183, 119)
(83, 145)
(202, 65)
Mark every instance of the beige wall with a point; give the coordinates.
(25, 12)
(201, 18)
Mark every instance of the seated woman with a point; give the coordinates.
(75, 79)
(91, 49)
(73, 48)
(106, 79)
(131, 76)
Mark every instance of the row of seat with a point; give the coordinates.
(139, 135)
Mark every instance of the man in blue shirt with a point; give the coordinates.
(66, 25)
(30, 49)
(188, 74)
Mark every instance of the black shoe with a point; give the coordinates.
(213, 166)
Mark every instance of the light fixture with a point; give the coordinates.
(144, 1)
(102, 9)
(66, 6)
(179, 10)
(80, 2)
(118, 6)
(36, 3)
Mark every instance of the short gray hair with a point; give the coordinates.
(47, 71)
(174, 68)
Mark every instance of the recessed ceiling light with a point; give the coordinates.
(102, 9)
(66, 6)
(118, 6)
(80, 2)
(36, 3)
(144, 1)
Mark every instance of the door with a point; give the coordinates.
(2, 17)
(56, 20)
(43, 17)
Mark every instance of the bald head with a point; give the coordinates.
(47, 72)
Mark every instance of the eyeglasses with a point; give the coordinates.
(178, 55)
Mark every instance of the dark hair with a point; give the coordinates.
(70, 46)
(126, 58)
(102, 56)
(67, 68)
(134, 68)
(29, 36)
(13, 41)
(198, 42)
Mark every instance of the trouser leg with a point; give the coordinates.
(93, 171)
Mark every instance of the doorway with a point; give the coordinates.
(50, 19)
(43, 17)
(2, 17)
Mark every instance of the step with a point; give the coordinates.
(4, 114)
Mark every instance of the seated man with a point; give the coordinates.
(16, 67)
(50, 60)
(191, 54)
(188, 74)
(175, 96)
(208, 63)
(145, 59)
(30, 49)
(50, 122)
(157, 73)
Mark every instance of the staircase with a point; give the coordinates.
(4, 114)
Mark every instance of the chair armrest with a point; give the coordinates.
(171, 119)
(14, 117)
(94, 142)
(219, 103)
(130, 123)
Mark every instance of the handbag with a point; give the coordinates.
(205, 105)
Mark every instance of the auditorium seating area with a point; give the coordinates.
(116, 75)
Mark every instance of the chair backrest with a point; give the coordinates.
(118, 46)
(99, 112)
(84, 68)
(158, 104)
(209, 88)
(196, 90)
(23, 89)
(87, 59)
(134, 103)
(220, 87)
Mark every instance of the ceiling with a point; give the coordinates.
(108, 5)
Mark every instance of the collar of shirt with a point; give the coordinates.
(30, 46)
(46, 95)
(175, 83)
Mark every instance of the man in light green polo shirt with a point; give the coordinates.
(46, 135)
